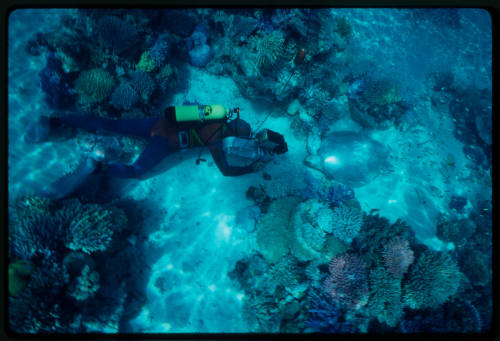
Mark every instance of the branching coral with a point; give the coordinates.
(143, 84)
(397, 257)
(85, 285)
(116, 34)
(326, 317)
(375, 233)
(94, 85)
(385, 297)
(268, 48)
(346, 223)
(124, 97)
(37, 236)
(92, 227)
(347, 282)
(431, 280)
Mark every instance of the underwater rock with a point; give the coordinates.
(350, 158)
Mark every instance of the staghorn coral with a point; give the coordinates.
(385, 297)
(40, 235)
(94, 85)
(375, 233)
(267, 48)
(346, 223)
(28, 206)
(326, 317)
(124, 97)
(431, 280)
(37, 308)
(347, 282)
(397, 257)
(92, 227)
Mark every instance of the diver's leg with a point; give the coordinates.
(154, 152)
(134, 126)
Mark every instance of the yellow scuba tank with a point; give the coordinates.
(199, 113)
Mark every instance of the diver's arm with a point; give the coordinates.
(221, 162)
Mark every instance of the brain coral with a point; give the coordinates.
(94, 85)
(431, 280)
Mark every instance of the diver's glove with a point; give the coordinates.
(277, 138)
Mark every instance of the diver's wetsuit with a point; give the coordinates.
(163, 139)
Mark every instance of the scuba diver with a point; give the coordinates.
(233, 148)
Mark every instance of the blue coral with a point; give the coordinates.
(56, 84)
(143, 84)
(334, 194)
(326, 317)
(158, 52)
(124, 97)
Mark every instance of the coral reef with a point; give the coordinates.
(143, 83)
(94, 85)
(431, 280)
(116, 34)
(124, 97)
(346, 223)
(92, 228)
(457, 231)
(385, 297)
(37, 236)
(56, 84)
(267, 48)
(326, 317)
(375, 233)
(347, 282)
(85, 285)
(397, 257)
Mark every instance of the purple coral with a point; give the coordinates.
(347, 282)
(397, 257)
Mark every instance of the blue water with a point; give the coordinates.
(377, 218)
